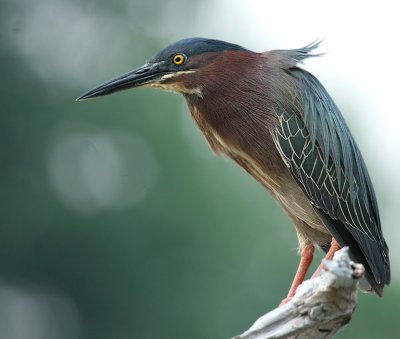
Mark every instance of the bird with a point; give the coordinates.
(278, 122)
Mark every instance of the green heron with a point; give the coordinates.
(278, 122)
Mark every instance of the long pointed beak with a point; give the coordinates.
(148, 73)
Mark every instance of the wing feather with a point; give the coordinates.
(321, 154)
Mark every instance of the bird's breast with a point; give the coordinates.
(222, 145)
(265, 165)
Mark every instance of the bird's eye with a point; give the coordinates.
(179, 59)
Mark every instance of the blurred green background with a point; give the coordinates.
(116, 219)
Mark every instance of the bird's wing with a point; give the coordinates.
(316, 145)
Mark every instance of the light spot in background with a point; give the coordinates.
(32, 313)
(94, 170)
(64, 42)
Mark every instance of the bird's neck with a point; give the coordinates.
(236, 115)
(231, 132)
(233, 117)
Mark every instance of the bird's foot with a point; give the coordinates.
(329, 256)
(307, 253)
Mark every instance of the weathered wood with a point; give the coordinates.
(320, 308)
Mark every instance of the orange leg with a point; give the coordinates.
(307, 254)
(329, 255)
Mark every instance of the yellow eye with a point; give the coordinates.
(179, 59)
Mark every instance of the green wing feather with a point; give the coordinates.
(321, 154)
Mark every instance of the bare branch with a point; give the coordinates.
(321, 307)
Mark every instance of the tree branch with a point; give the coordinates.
(320, 308)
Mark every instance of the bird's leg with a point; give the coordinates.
(329, 256)
(307, 254)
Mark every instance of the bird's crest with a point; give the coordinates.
(300, 54)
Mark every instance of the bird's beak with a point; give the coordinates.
(147, 74)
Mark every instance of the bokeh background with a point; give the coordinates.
(116, 221)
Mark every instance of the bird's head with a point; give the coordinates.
(180, 67)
